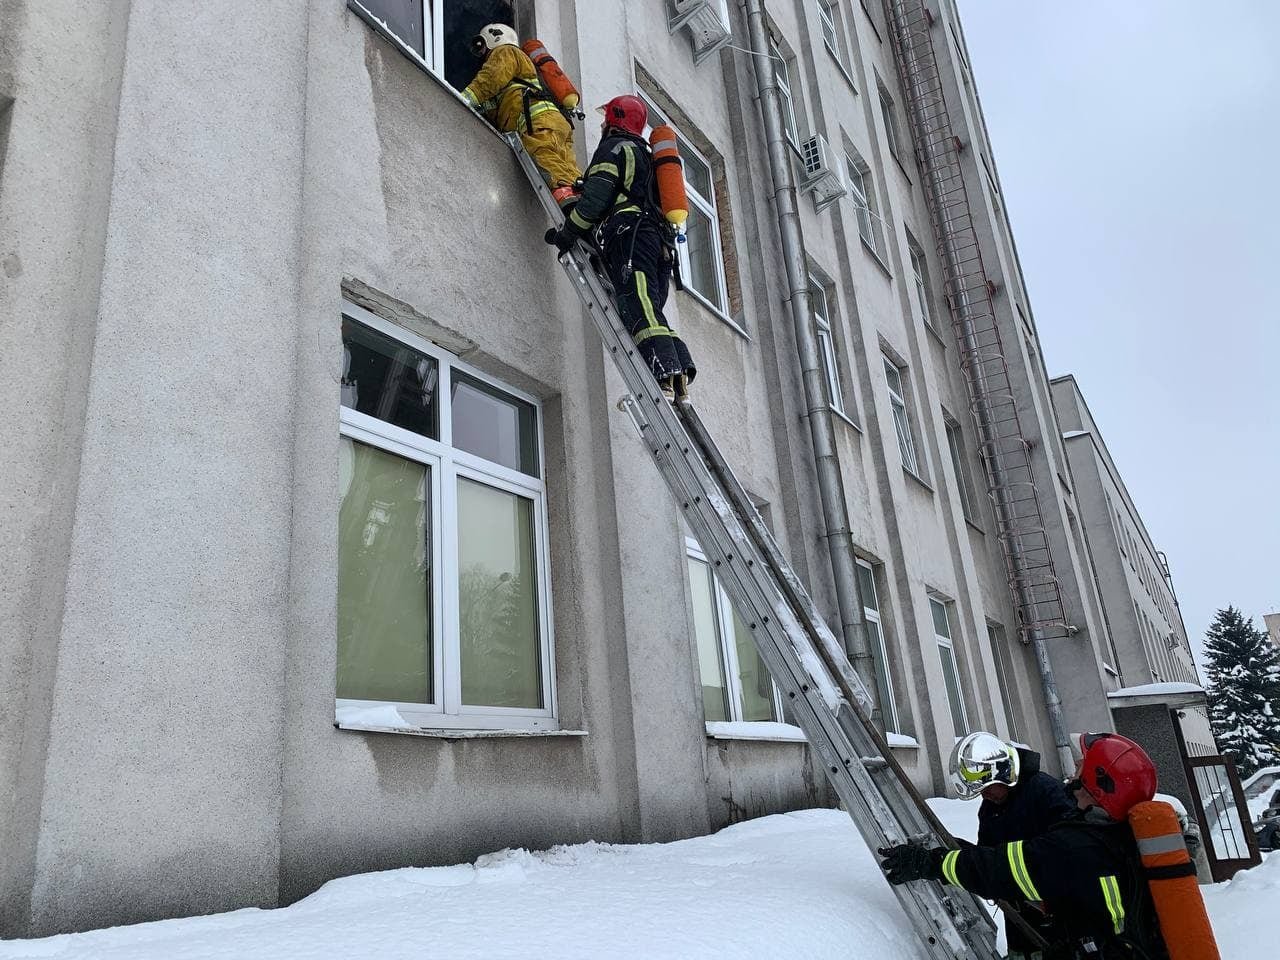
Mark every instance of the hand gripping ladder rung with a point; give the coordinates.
(822, 692)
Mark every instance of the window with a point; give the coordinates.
(736, 686)
(964, 480)
(891, 133)
(438, 31)
(875, 639)
(920, 274)
(701, 257)
(1001, 655)
(782, 76)
(950, 674)
(443, 595)
(826, 342)
(901, 421)
(833, 35)
(863, 194)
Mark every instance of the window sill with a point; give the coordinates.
(841, 415)
(844, 71)
(918, 479)
(973, 525)
(716, 312)
(937, 335)
(902, 167)
(875, 255)
(900, 741)
(762, 731)
(437, 733)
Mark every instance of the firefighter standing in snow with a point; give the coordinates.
(1019, 801)
(619, 196)
(1084, 870)
(507, 91)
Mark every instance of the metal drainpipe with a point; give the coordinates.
(835, 513)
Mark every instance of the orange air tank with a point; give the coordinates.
(1171, 875)
(553, 78)
(669, 173)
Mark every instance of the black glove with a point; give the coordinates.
(909, 861)
(562, 239)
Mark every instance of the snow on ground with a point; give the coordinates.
(793, 885)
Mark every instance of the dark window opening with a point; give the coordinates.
(463, 19)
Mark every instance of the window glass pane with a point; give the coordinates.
(384, 576)
(1004, 676)
(494, 425)
(462, 21)
(834, 393)
(403, 18)
(757, 685)
(883, 691)
(497, 598)
(715, 703)
(895, 379)
(905, 443)
(698, 175)
(700, 245)
(940, 625)
(952, 680)
(867, 584)
(955, 443)
(388, 380)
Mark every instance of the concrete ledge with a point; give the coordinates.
(764, 730)
(439, 733)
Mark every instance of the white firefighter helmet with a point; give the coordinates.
(493, 36)
(981, 759)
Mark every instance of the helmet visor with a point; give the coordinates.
(980, 760)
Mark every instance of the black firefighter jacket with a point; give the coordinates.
(1086, 873)
(1034, 805)
(618, 180)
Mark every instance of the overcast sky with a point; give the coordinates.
(1138, 147)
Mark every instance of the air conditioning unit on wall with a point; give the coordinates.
(707, 22)
(821, 176)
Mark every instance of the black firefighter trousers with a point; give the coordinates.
(642, 291)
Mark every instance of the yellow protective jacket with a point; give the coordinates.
(499, 93)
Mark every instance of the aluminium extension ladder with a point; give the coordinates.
(823, 693)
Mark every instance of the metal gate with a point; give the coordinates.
(1223, 814)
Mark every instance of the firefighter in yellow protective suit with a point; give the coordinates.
(508, 93)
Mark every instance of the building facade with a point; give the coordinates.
(1139, 602)
(326, 546)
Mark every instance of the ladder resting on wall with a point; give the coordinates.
(822, 692)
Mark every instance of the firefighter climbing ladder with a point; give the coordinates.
(823, 693)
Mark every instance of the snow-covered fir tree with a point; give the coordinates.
(1243, 670)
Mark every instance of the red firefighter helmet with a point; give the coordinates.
(627, 113)
(1117, 772)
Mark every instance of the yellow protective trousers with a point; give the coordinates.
(551, 146)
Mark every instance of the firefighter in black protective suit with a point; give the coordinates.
(1019, 801)
(1084, 871)
(619, 197)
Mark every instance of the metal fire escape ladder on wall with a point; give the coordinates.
(1006, 455)
(823, 693)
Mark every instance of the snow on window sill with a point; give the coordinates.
(900, 741)
(386, 718)
(755, 730)
(439, 733)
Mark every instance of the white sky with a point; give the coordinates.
(1137, 145)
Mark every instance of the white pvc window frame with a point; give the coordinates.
(862, 188)
(901, 418)
(718, 299)
(448, 465)
(919, 273)
(782, 77)
(947, 658)
(725, 640)
(893, 135)
(432, 55)
(871, 613)
(826, 342)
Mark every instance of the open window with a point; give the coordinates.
(439, 31)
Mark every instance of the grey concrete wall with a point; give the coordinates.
(60, 70)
